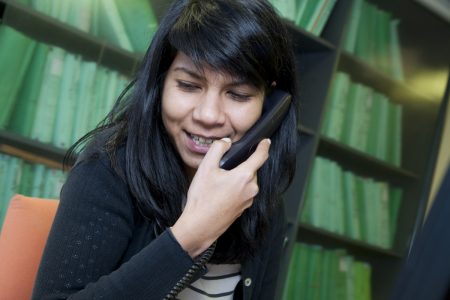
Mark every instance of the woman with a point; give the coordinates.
(146, 196)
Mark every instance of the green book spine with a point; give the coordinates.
(334, 209)
(110, 25)
(383, 129)
(372, 213)
(122, 83)
(54, 179)
(141, 24)
(286, 8)
(291, 283)
(384, 222)
(301, 5)
(351, 34)
(365, 44)
(15, 54)
(84, 101)
(375, 119)
(43, 6)
(350, 131)
(308, 13)
(360, 280)
(80, 14)
(375, 210)
(12, 181)
(43, 125)
(24, 112)
(115, 88)
(304, 252)
(326, 292)
(341, 270)
(395, 52)
(351, 215)
(26, 179)
(319, 204)
(55, 8)
(306, 211)
(362, 136)
(3, 197)
(395, 198)
(383, 41)
(94, 18)
(340, 106)
(66, 102)
(362, 207)
(350, 277)
(314, 273)
(395, 134)
(323, 17)
(38, 181)
(99, 96)
(313, 17)
(366, 293)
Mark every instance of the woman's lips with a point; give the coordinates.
(197, 144)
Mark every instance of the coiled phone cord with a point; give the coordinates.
(196, 267)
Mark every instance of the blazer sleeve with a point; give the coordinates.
(90, 234)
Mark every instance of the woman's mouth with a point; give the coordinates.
(201, 141)
(200, 144)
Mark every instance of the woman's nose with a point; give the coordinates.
(209, 110)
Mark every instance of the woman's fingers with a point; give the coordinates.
(258, 158)
(215, 152)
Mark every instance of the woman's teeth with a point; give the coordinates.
(201, 141)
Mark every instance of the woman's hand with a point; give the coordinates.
(217, 197)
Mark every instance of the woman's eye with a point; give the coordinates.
(239, 96)
(187, 86)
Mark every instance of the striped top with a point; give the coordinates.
(218, 283)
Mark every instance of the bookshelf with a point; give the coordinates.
(419, 140)
(319, 58)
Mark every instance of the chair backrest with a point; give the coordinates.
(22, 240)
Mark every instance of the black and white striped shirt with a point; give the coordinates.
(218, 283)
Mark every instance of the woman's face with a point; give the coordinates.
(200, 106)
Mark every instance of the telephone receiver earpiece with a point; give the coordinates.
(275, 108)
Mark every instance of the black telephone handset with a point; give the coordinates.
(275, 108)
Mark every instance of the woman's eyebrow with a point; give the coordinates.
(189, 72)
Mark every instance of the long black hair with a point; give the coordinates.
(243, 38)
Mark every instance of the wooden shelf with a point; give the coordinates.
(366, 74)
(314, 235)
(30, 150)
(363, 163)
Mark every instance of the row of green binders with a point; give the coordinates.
(35, 180)
(53, 96)
(372, 34)
(316, 273)
(357, 207)
(127, 24)
(364, 119)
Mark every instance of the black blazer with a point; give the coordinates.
(426, 274)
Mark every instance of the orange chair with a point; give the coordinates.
(22, 240)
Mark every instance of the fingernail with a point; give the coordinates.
(269, 141)
(225, 139)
